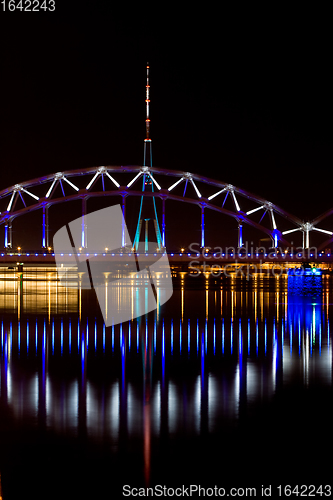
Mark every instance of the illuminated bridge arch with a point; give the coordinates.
(242, 206)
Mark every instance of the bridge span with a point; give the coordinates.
(192, 263)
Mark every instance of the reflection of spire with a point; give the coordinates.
(148, 365)
(0, 489)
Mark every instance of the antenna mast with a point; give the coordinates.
(147, 154)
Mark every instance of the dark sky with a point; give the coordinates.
(240, 96)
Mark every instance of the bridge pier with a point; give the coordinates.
(240, 235)
(163, 222)
(202, 226)
(83, 224)
(123, 230)
(45, 236)
(8, 234)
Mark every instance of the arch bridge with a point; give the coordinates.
(244, 208)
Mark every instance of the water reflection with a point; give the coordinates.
(201, 363)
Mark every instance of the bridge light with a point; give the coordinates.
(71, 184)
(112, 179)
(155, 182)
(133, 180)
(175, 184)
(213, 195)
(196, 189)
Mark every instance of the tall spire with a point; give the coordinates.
(147, 103)
(147, 155)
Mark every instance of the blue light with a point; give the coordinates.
(70, 335)
(171, 336)
(180, 337)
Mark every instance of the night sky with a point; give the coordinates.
(242, 96)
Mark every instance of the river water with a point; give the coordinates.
(228, 384)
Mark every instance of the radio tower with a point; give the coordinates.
(147, 180)
(147, 158)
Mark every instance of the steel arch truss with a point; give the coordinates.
(195, 189)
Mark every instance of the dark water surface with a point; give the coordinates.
(228, 384)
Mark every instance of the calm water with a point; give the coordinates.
(228, 384)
